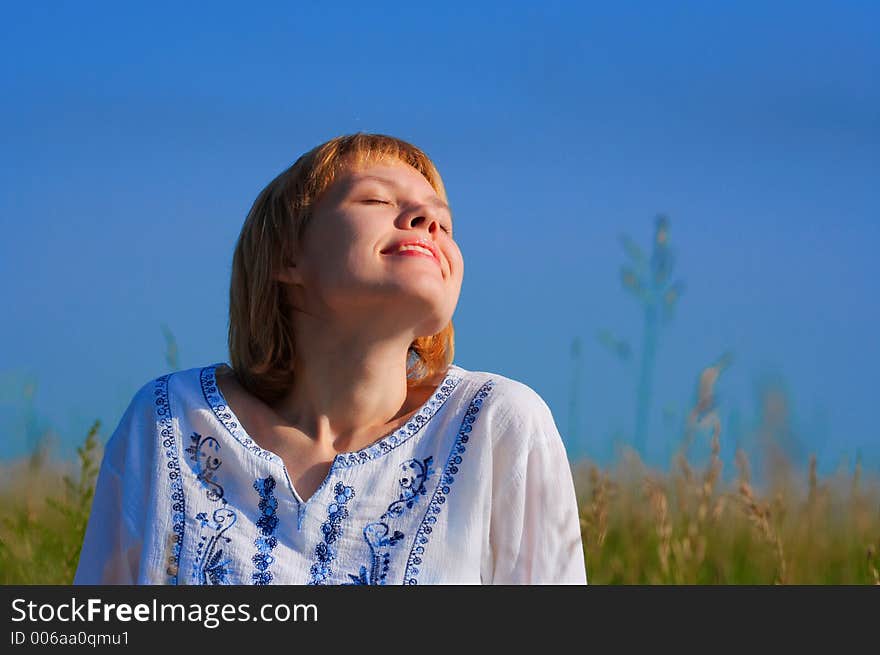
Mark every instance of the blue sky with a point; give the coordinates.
(134, 140)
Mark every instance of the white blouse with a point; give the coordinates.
(475, 488)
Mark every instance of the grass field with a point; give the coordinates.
(639, 526)
(684, 527)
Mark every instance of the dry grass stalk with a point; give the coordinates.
(759, 514)
(710, 478)
(685, 467)
(597, 518)
(660, 506)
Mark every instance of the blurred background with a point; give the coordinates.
(668, 214)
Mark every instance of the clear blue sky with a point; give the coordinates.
(133, 141)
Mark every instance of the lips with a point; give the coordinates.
(395, 249)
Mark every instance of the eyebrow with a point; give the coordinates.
(384, 180)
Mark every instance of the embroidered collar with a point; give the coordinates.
(215, 399)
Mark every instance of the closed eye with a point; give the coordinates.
(448, 230)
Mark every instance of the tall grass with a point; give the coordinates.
(684, 527)
(44, 510)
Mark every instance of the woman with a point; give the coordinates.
(342, 446)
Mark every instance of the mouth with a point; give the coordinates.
(413, 249)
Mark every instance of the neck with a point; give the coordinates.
(348, 385)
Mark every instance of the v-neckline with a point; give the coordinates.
(418, 420)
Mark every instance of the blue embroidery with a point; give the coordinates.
(411, 573)
(416, 423)
(210, 566)
(214, 398)
(206, 464)
(178, 506)
(377, 533)
(267, 523)
(325, 552)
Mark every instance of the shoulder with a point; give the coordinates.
(153, 408)
(507, 395)
(175, 387)
(515, 407)
(162, 397)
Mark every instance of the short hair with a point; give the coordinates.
(261, 340)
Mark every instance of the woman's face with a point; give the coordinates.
(351, 266)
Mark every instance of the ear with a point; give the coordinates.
(288, 274)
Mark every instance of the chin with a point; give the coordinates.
(428, 308)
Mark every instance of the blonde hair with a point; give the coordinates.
(261, 341)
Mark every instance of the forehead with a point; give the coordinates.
(394, 173)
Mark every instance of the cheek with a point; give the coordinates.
(327, 267)
(342, 265)
(456, 259)
(332, 249)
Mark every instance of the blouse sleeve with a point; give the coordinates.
(534, 531)
(111, 550)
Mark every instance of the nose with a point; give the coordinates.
(423, 219)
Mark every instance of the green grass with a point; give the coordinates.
(44, 516)
(684, 527)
